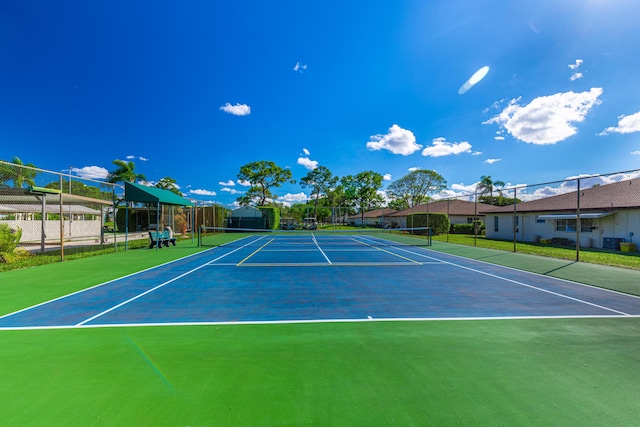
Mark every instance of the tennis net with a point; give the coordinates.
(417, 236)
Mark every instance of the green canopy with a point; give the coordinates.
(143, 194)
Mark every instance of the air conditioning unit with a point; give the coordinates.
(612, 243)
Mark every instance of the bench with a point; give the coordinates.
(158, 238)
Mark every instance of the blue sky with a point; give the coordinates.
(195, 90)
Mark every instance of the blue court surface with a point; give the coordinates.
(319, 279)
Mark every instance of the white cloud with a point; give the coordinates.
(290, 199)
(386, 177)
(200, 192)
(229, 183)
(306, 152)
(131, 157)
(491, 161)
(473, 80)
(244, 183)
(547, 119)
(231, 190)
(236, 110)
(397, 140)
(499, 138)
(415, 168)
(626, 124)
(300, 67)
(441, 147)
(575, 76)
(476, 153)
(635, 153)
(307, 163)
(384, 195)
(577, 64)
(91, 172)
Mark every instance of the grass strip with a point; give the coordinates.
(525, 372)
(588, 255)
(625, 280)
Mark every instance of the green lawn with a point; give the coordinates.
(595, 256)
(492, 372)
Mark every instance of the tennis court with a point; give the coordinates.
(313, 277)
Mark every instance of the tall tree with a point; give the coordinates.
(125, 172)
(337, 198)
(320, 180)
(168, 183)
(487, 185)
(263, 176)
(416, 187)
(362, 190)
(18, 173)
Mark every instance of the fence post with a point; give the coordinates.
(515, 221)
(61, 220)
(475, 219)
(448, 216)
(578, 225)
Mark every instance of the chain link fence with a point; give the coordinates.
(57, 214)
(590, 212)
(44, 212)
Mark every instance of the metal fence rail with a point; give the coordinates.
(600, 212)
(53, 212)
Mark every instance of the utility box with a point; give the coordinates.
(612, 243)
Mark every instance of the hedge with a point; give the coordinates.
(272, 217)
(468, 228)
(439, 222)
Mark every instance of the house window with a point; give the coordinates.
(569, 225)
(495, 224)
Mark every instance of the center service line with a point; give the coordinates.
(320, 249)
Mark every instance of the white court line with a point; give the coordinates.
(333, 264)
(314, 321)
(320, 249)
(520, 283)
(383, 250)
(163, 284)
(108, 282)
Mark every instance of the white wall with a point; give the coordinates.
(618, 225)
(32, 230)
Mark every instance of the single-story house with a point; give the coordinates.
(374, 218)
(609, 214)
(459, 211)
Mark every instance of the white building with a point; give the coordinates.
(608, 214)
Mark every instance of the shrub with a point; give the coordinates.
(468, 228)
(9, 238)
(272, 217)
(438, 222)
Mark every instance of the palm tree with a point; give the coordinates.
(125, 172)
(487, 185)
(19, 173)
